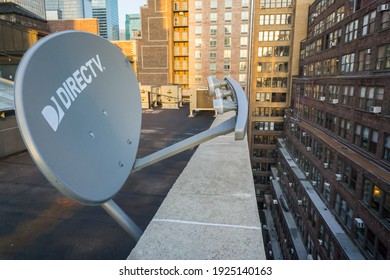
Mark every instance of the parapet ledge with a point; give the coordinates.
(210, 211)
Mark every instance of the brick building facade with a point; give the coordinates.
(334, 164)
(89, 25)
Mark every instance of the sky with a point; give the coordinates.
(128, 7)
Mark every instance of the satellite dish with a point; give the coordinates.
(78, 107)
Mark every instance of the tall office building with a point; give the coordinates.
(219, 36)
(106, 11)
(35, 6)
(68, 9)
(278, 28)
(332, 185)
(133, 26)
(210, 38)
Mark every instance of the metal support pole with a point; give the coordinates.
(122, 219)
(221, 129)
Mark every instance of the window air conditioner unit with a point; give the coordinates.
(308, 149)
(285, 173)
(277, 179)
(290, 184)
(307, 174)
(299, 202)
(320, 242)
(326, 165)
(334, 101)
(314, 183)
(296, 159)
(338, 177)
(304, 134)
(333, 44)
(274, 201)
(375, 109)
(327, 186)
(322, 98)
(384, 7)
(293, 124)
(359, 223)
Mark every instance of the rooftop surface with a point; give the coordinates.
(38, 222)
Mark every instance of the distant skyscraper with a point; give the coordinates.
(106, 11)
(68, 9)
(133, 26)
(35, 6)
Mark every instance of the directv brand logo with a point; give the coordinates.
(70, 89)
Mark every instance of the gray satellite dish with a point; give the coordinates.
(78, 107)
(79, 111)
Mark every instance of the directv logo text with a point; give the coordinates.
(69, 91)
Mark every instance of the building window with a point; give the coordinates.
(333, 38)
(369, 23)
(228, 29)
(244, 41)
(198, 30)
(198, 5)
(340, 14)
(213, 55)
(213, 29)
(245, 16)
(198, 79)
(245, 3)
(242, 78)
(278, 35)
(198, 18)
(198, 42)
(198, 55)
(227, 42)
(351, 31)
(370, 96)
(385, 21)
(347, 63)
(386, 152)
(213, 17)
(264, 82)
(228, 4)
(227, 54)
(279, 97)
(228, 16)
(198, 67)
(267, 4)
(226, 66)
(264, 51)
(244, 28)
(243, 54)
(213, 4)
(281, 67)
(281, 51)
(348, 174)
(377, 199)
(364, 60)
(243, 66)
(264, 67)
(213, 42)
(278, 82)
(366, 138)
(344, 127)
(213, 67)
(348, 94)
(383, 61)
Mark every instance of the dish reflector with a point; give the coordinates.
(78, 107)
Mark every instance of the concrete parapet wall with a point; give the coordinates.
(211, 210)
